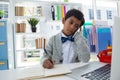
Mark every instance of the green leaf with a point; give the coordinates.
(33, 21)
(2, 12)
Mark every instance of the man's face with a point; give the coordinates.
(71, 25)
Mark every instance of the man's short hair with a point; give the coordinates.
(77, 14)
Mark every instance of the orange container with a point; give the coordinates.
(105, 56)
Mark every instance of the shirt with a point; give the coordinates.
(67, 51)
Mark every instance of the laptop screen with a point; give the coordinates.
(115, 68)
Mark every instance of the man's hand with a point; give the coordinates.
(48, 64)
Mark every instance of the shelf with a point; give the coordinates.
(27, 49)
(31, 36)
(46, 2)
(31, 2)
(27, 17)
(28, 33)
(26, 41)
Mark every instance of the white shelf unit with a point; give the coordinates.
(24, 42)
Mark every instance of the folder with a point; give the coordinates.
(40, 43)
(23, 27)
(63, 10)
(53, 12)
(19, 11)
(58, 10)
(20, 27)
(103, 36)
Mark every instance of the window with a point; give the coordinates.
(109, 14)
(4, 7)
(107, 11)
(98, 14)
(91, 15)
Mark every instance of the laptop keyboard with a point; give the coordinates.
(102, 73)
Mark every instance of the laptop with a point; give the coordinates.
(115, 68)
(103, 71)
(92, 71)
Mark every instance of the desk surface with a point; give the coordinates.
(13, 74)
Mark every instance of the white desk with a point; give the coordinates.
(13, 74)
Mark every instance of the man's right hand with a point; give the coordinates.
(48, 64)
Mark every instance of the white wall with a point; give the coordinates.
(118, 8)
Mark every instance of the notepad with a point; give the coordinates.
(37, 72)
(29, 73)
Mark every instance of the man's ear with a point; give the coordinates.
(63, 20)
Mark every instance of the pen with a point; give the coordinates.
(50, 58)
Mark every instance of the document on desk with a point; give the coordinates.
(57, 70)
(37, 72)
(60, 69)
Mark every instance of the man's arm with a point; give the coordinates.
(46, 60)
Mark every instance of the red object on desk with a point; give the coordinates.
(105, 56)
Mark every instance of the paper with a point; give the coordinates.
(57, 70)
(37, 72)
(29, 73)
